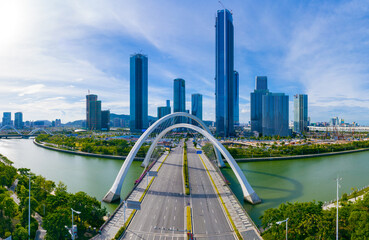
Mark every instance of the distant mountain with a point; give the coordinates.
(77, 123)
(126, 117)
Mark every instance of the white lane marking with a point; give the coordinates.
(174, 218)
(212, 210)
(215, 220)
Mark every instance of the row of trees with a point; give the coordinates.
(98, 145)
(52, 202)
(274, 150)
(309, 221)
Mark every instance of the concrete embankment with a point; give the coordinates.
(300, 156)
(43, 145)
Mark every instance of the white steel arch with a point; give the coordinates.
(249, 194)
(145, 163)
(11, 127)
(40, 129)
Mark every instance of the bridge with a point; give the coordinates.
(210, 210)
(18, 134)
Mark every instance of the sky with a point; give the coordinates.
(53, 52)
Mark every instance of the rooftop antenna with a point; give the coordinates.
(224, 6)
(89, 91)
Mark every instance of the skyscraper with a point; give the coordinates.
(7, 118)
(105, 120)
(162, 111)
(300, 113)
(196, 105)
(18, 120)
(236, 98)
(224, 75)
(93, 112)
(275, 114)
(138, 93)
(261, 88)
(179, 97)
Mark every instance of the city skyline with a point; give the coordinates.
(48, 64)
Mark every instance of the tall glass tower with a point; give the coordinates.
(179, 97)
(196, 105)
(261, 88)
(224, 75)
(138, 93)
(236, 110)
(93, 112)
(300, 113)
(275, 115)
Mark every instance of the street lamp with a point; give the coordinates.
(286, 220)
(29, 208)
(338, 185)
(72, 232)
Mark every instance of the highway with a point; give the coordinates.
(162, 213)
(209, 219)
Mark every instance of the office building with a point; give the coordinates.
(93, 112)
(105, 120)
(162, 111)
(275, 115)
(261, 89)
(138, 93)
(57, 122)
(196, 105)
(179, 98)
(18, 120)
(7, 119)
(300, 112)
(224, 78)
(236, 95)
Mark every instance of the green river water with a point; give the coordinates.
(275, 182)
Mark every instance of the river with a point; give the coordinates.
(275, 182)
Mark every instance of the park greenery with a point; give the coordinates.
(284, 150)
(309, 221)
(50, 201)
(92, 144)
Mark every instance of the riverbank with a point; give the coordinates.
(43, 145)
(299, 156)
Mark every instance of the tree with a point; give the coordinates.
(54, 224)
(9, 207)
(20, 233)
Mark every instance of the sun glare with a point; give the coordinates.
(11, 18)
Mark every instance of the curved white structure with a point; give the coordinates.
(248, 192)
(146, 161)
(40, 129)
(11, 127)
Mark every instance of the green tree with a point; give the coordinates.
(20, 233)
(54, 224)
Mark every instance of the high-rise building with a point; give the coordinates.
(179, 97)
(224, 75)
(138, 93)
(300, 113)
(275, 115)
(261, 88)
(196, 105)
(105, 120)
(93, 112)
(162, 111)
(236, 94)
(7, 118)
(18, 120)
(57, 122)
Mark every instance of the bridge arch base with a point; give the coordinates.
(249, 194)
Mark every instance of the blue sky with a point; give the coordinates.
(53, 52)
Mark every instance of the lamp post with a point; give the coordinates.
(286, 220)
(72, 232)
(338, 185)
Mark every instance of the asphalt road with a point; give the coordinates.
(209, 219)
(162, 213)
